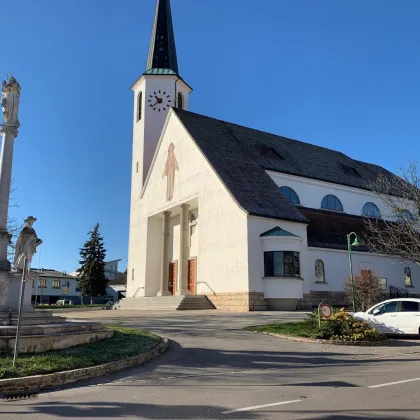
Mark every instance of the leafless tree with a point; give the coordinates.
(398, 231)
(368, 289)
(13, 226)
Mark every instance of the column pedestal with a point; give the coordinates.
(183, 253)
(164, 270)
(10, 292)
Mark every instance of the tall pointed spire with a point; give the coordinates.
(162, 52)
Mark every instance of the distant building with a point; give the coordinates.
(49, 286)
(111, 269)
(117, 287)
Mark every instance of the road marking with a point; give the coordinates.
(394, 383)
(256, 407)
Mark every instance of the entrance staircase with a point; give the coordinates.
(166, 303)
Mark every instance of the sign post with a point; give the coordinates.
(325, 311)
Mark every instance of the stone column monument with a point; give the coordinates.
(9, 129)
(9, 280)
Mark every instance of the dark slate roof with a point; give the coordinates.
(47, 272)
(230, 157)
(281, 154)
(162, 51)
(240, 156)
(118, 281)
(329, 229)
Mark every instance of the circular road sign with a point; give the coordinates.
(325, 310)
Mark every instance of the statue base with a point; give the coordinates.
(10, 283)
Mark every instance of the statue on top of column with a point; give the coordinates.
(26, 244)
(10, 101)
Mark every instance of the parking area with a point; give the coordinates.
(214, 369)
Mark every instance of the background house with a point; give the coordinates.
(49, 286)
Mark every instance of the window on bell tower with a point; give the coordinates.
(139, 106)
(180, 101)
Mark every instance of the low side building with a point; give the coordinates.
(49, 286)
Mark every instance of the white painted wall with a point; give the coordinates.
(146, 135)
(336, 265)
(257, 246)
(221, 252)
(311, 192)
(49, 290)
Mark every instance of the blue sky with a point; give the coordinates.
(340, 74)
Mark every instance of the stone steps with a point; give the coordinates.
(166, 303)
(49, 329)
(30, 318)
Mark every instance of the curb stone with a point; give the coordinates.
(319, 341)
(53, 380)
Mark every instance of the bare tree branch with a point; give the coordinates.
(398, 232)
(13, 225)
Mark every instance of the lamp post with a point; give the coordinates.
(349, 245)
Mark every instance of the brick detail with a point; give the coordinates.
(239, 302)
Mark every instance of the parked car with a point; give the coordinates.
(64, 302)
(394, 316)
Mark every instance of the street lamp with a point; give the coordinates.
(349, 245)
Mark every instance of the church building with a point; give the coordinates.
(235, 218)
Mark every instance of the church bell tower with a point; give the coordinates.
(158, 89)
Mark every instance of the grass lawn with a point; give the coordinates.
(295, 329)
(125, 342)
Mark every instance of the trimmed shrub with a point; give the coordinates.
(343, 327)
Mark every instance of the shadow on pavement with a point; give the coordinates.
(99, 410)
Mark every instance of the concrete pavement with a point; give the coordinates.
(215, 370)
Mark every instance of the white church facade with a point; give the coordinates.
(251, 220)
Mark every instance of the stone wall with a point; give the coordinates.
(314, 298)
(239, 302)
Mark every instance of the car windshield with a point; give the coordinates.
(386, 307)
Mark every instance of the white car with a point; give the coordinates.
(394, 316)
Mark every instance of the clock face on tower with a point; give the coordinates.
(160, 101)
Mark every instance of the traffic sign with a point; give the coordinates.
(325, 310)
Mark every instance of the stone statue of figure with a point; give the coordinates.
(26, 244)
(170, 168)
(10, 101)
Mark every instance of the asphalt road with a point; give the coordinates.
(215, 370)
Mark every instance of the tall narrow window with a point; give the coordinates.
(140, 106)
(180, 101)
(132, 274)
(407, 275)
(319, 271)
(137, 167)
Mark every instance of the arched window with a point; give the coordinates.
(139, 106)
(291, 195)
(319, 271)
(331, 202)
(180, 101)
(371, 210)
(407, 275)
(405, 215)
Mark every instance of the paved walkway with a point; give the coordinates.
(213, 369)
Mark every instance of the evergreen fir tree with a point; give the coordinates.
(92, 281)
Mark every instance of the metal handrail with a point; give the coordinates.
(397, 291)
(204, 282)
(135, 294)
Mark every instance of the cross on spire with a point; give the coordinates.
(162, 52)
